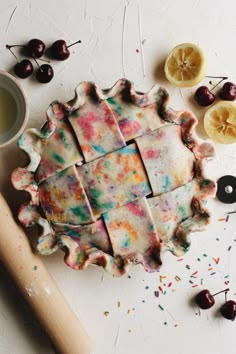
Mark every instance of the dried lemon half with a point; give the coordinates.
(220, 122)
(185, 65)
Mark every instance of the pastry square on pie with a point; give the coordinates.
(95, 126)
(168, 162)
(63, 199)
(58, 152)
(127, 225)
(115, 179)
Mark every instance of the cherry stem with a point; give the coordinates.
(37, 63)
(222, 291)
(79, 41)
(14, 45)
(9, 47)
(223, 78)
(218, 77)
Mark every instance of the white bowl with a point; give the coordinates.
(10, 84)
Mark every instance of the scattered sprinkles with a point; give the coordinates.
(35, 267)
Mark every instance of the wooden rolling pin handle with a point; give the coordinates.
(38, 287)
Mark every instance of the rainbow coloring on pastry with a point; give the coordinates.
(115, 177)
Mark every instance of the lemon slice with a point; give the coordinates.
(220, 122)
(185, 65)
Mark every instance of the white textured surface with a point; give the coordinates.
(111, 31)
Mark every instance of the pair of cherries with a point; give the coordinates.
(204, 97)
(35, 48)
(205, 300)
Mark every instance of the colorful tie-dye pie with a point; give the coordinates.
(115, 178)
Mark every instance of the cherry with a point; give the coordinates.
(59, 49)
(228, 310)
(23, 69)
(45, 73)
(204, 97)
(228, 91)
(35, 48)
(205, 300)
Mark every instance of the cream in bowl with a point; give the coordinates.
(13, 109)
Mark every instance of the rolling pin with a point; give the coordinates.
(38, 288)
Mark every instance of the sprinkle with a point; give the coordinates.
(226, 276)
(199, 260)
(130, 330)
(229, 248)
(180, 260)
(201, 281)
(106, 313)
(147, 287)
(205, 255)
(217, 239)
(129, 276)
(160, 288)
(226, 282)
(156, 293)
(217, 259)
(190, 281)
(177, 278)
(213, 273)
(210, 268)
(35, 267)
(162, 277)
(194, 286)
(128, 311)
(162, 308)
(175, 325)
(169, 285)
(165, 323)
(119, 303)
(227, 218)
(188, 266)
(143, 301)
(195, 273)
(221, 219)
(137, 50)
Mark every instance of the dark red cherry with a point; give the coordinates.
(228, 310)
(35, 48)
(205, 299)
(23, 69)
(59, 49)
(228, 91)
(204, 97)
(45, 73)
